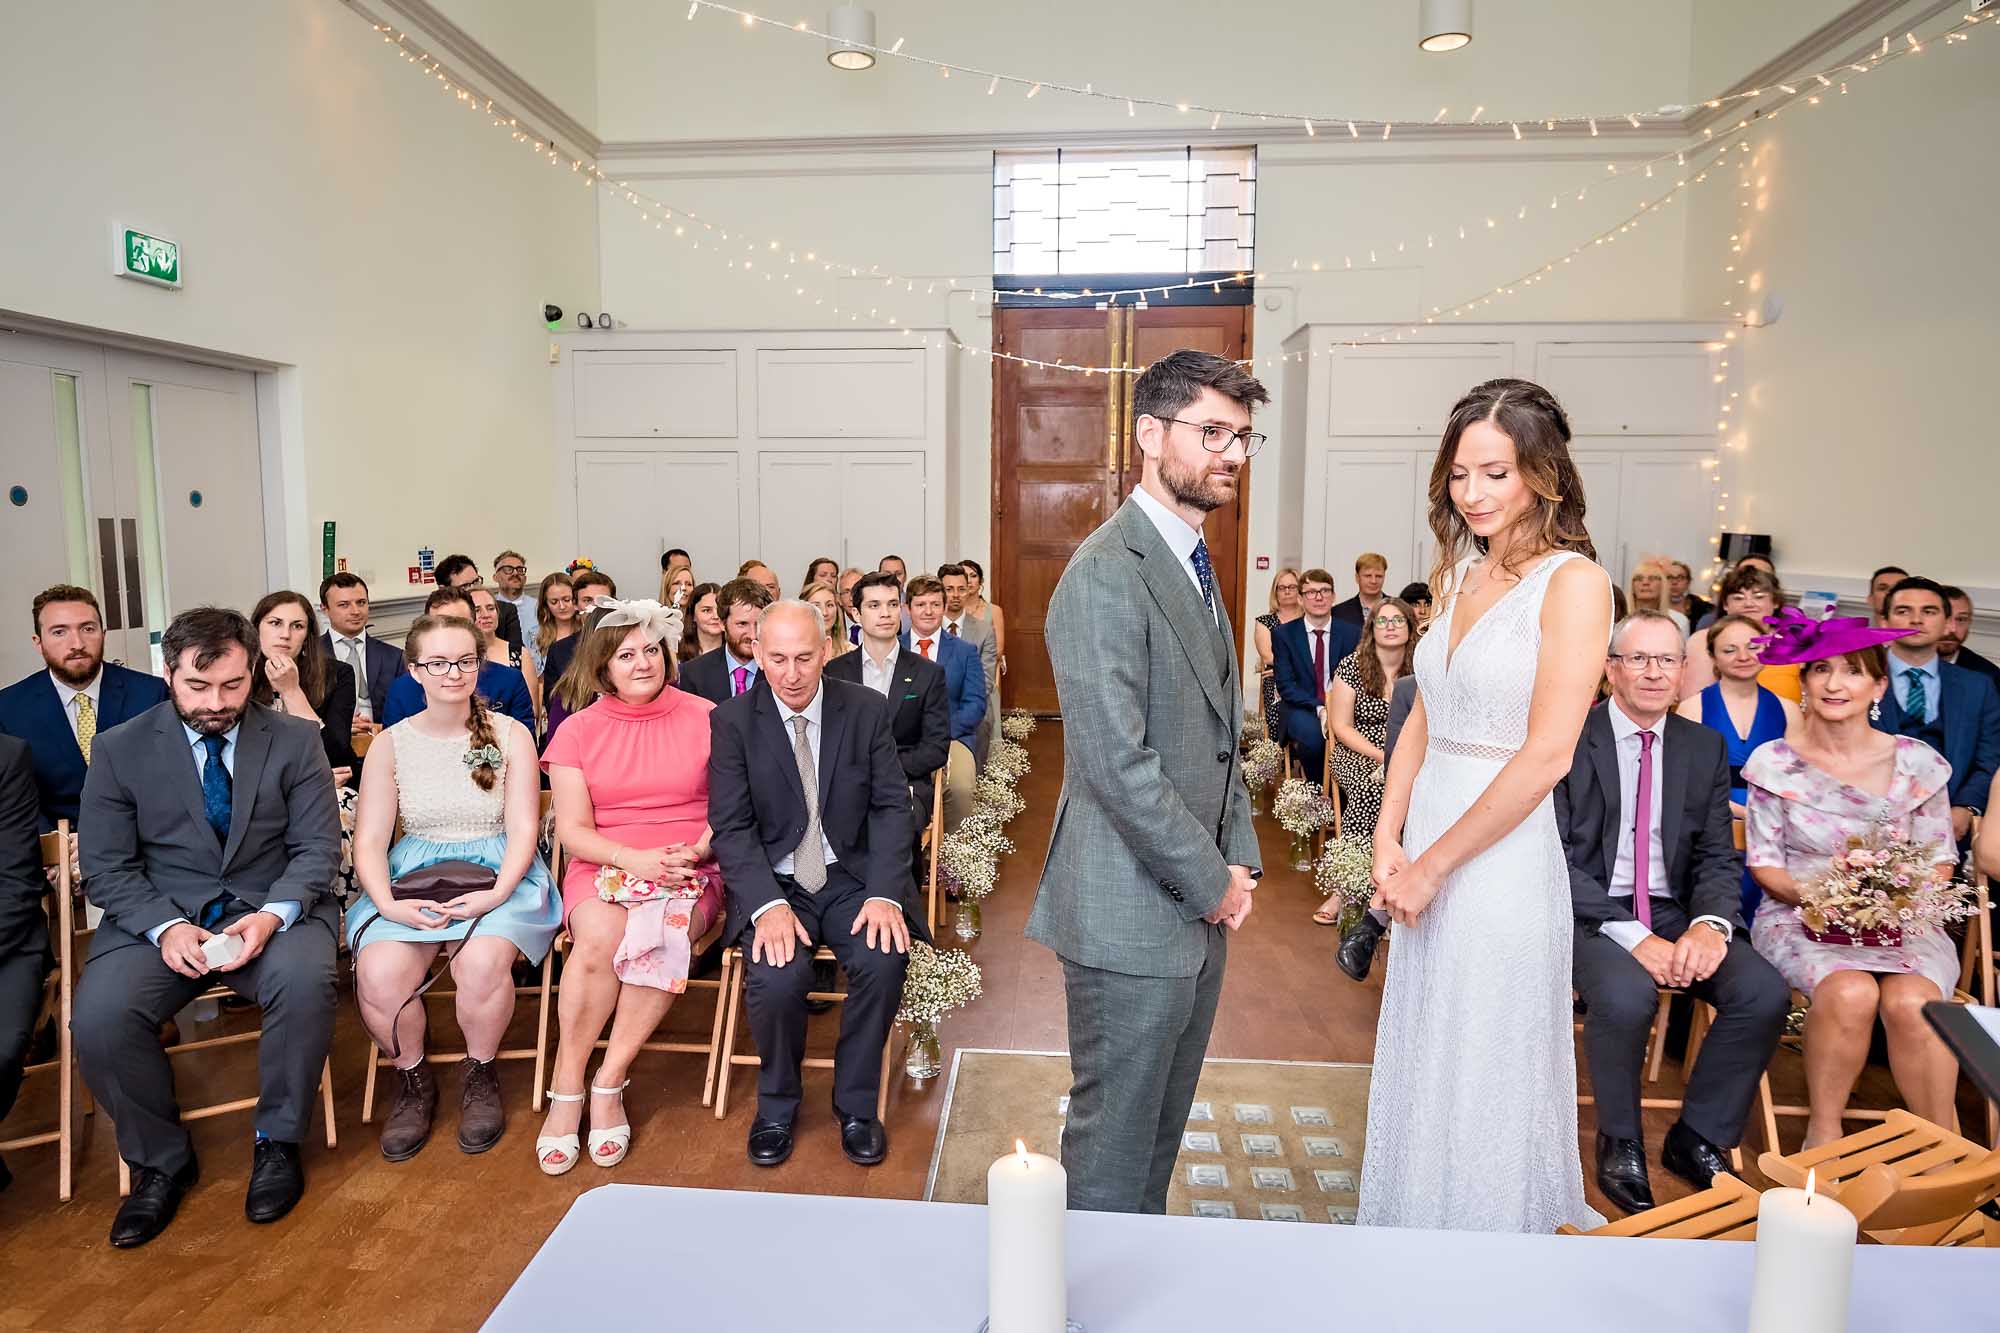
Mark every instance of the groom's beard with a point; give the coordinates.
(1203, 488)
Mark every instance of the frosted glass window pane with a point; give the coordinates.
(152, 565)
(1138, 211)
(69, 464)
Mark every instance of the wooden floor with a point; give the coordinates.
(433, 1243)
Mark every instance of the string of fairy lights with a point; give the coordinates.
(1312, 121)
(777, 263)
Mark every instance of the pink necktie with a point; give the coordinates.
(741, 676)
(1642, 836)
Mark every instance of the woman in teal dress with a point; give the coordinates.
(465, 783)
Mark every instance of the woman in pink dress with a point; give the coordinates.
(1834, 778)
(630, 779)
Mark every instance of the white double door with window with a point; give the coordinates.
(136, 476)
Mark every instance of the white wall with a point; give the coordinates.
(337, 215)
(550, 43)
(1867, 426)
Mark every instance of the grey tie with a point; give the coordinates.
(350, 653)
(809, 861)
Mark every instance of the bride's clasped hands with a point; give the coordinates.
(1404, 888)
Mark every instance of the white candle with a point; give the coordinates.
(1805, 1263)
(1027, 1196)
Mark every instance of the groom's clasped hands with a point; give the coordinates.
(1234, 908)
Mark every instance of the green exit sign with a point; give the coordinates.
(146, 257)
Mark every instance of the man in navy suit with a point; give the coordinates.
(1307, 651)
(964, 687)
(1958, 626)
(60, 712)
(499, 685)
(1955, 711)
(343, 598)
(729, 668)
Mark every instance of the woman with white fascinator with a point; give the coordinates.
(630, 778)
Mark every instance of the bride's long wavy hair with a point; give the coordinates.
(1530, 416)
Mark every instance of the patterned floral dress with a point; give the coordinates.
(1354, 774)
(1273, 724)
(1799, 817)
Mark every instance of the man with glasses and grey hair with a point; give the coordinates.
(1154, 857)
(1655, 880)
(510, 587)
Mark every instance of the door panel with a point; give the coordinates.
(881, 512)
(799, 497)
(699, 506)
(1679, 516)
(1054, 449)
(38, 530)
(1603, 502)
(205, 443)
(617, 518)
(1371, 505)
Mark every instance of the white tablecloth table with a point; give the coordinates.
(634, 1256)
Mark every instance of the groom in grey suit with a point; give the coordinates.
(1153, 852)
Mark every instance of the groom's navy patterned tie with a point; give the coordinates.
(1204, 571)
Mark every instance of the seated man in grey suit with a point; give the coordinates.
(1647, 802)
(207, 815)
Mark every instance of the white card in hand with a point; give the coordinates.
(222, 950)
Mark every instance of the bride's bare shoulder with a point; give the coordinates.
(1578, 590)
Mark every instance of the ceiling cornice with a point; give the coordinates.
(498, 79)
(1831, 42)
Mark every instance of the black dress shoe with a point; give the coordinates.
(1356, 953)
(864, 1141)
(154, 1199)
(277, 1181)
(1621, 1173)
(1692, 1157)
(770, 1142)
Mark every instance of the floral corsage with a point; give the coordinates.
(483, 756)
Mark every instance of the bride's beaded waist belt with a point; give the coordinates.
(1497, 753)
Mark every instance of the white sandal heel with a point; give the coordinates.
(566, 1144)
(618, 1136)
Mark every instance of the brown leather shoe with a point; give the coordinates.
(408, 1127)
(481, 1118)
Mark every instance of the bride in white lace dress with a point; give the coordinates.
(1472, 1109)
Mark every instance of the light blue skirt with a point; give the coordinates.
(529, 918)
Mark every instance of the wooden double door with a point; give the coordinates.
(1064, 458)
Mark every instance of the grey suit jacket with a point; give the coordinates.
(1153, 808)
(149, 854)
(978, 631)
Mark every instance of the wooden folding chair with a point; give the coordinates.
(1726, 1210)
(548, 992)
(1332, 790)
(933, 835)
(58, 1003)
(220, 992)
(1703, 1016)
(733, 967)
(1977, 975)
(1906, 1180)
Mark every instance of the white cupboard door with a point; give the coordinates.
(618, 519)
(698, 510)
(883, 512)
(1678, 519)
(1602, 494)
(799, 507)
(1372, 500)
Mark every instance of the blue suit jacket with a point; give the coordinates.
(31, 711)
(1292, 662)
(964, 683)
(385, 665)
(501, 686)
(1969, 708)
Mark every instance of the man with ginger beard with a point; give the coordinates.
(60, 711)
(1153, 857)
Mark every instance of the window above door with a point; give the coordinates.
(1063, 213)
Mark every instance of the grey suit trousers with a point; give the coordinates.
(1136, 1046)
(124, 996)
